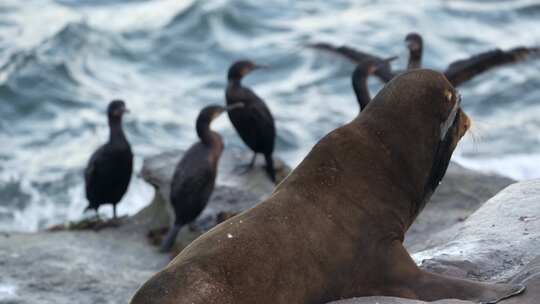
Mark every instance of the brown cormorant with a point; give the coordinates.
(457, 72)
(108, 173)
(254, 122)
(195, 175)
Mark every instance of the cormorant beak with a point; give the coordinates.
(125, 110)
(233, 106)
(260, 66)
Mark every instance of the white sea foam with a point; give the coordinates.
(8, 291)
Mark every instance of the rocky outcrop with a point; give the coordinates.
(108, 265)
(70, 265)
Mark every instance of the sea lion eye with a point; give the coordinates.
(445, 126)
(449, 95)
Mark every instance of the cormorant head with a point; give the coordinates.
(212, 112)
(414, 42)
(241, 68)
(370, 66)
(208, 114)
(116, 109)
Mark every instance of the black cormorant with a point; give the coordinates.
(360, 75)
(415, 45)
(254, 122)
(108, 173)
(195, 175)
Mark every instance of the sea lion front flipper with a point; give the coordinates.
(432, 287)
(412, 282)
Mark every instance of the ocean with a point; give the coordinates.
(62, 61)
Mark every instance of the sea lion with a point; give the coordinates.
(334, 227)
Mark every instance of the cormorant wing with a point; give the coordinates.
(463, 70)
(384, 72)
(263, 121)
(92, 168)
(192, 181)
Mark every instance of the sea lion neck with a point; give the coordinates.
(403, 122)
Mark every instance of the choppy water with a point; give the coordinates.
(62, 61)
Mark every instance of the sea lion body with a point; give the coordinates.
(334, 228)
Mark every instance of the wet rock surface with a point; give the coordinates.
(108, 265)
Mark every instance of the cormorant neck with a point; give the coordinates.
(235, 81)
(415, 59)
(359, 83)
(116, 133)
(206, 135)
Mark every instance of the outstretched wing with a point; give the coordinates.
(463, 70)
(384, 72)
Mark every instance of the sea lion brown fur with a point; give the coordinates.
(334, 227)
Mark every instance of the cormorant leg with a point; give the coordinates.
(250, 165)
(114, 212)
(170, 238)
(270, 170)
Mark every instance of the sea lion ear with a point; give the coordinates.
(445, 125)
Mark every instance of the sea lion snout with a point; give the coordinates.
(465, 123)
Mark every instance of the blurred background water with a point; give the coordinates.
(62, 61)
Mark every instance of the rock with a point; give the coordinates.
(76, 266)
(107, 265)
(461, 192)
(499, 239)
(235, 191)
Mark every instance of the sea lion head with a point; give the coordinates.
(422, 124)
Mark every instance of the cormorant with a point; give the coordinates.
(108, 172)
(254, 122)
(195, 175)
(457, 72)
(415, 45)
(359, 78)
